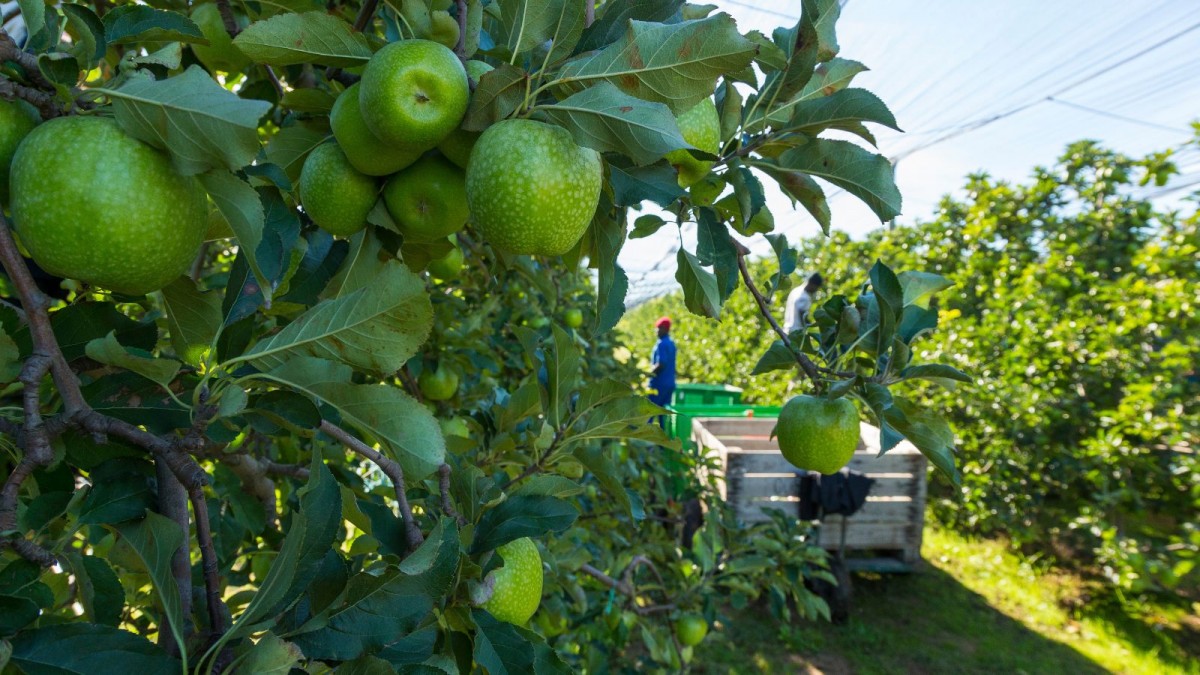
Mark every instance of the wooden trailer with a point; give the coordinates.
(883, 536)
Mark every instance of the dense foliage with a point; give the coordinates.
(1075, 310)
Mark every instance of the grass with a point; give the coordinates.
(973, 608)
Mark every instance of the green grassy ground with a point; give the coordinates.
(973, 608)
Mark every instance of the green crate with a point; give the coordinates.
(695, 393)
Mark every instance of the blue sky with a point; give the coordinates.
(1053, 71)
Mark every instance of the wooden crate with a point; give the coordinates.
(757, 477)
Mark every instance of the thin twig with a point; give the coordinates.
(410, 384)
(461, 47)
(275, 83)
(444, 489)
(365, 14)
(208, 562)
(228, 18)
(391, 469)
(625, 589)
(806, 364)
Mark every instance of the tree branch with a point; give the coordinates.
(45, 103)
(9, 51)
(365, 14)
(444, 489)
(626, 588)
(173, 503)
(391, 469)
(806, 365)
(461, 47)
(228, 18)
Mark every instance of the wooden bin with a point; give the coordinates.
(757, 477)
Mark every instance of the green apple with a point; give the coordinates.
(428, 200)
(439, 384)
(443, 28)
(219, 53)
(447, 267)
(701, 127)
(93, 204)
(17, 119)
(414, 93)
(573, 318)
(335, 195)
(691, 629)
(365, 151)
(458, 145)
(531, 189)
(818, 434)
(517, 585)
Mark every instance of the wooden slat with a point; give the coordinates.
(785, 485)
(894, 510)
(770, 461)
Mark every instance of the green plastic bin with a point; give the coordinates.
(695, 393)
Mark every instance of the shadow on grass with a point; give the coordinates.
(921, 623)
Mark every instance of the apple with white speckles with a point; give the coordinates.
(413, 93)
(334, 194)
(531, 189)
(517, 586)
(93, 204)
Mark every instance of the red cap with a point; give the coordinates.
(664, 321)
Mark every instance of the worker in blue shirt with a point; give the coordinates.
(662, 378)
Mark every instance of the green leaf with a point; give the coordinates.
(271, 655)
(729, 109)
(606, 119)
(33, 12)
(77, 325)
(120, 491)
(375, 328)
(631, 185)
(10, 359)
(800, 188)
(935, 372)
(628, 417)
(138, 23)
(499, 92)
(193, 318)
(522, 516)
(88, 649)
(602, 467)
(380, 412)
(828, 12)
(168, 57)
(136, 400)
(700, 292)
(646, 225)
(865, 175)
(310, 37)
(549, 485)
(919, 287)
(378, 610)
(89, 34)
(787, 261)
(916, 321)
(827, 79)
(676, 64)
(613, 19)
(928, 431)
(612, 283)
(563, 363)
(16, 613)
(799, 45)
(109, 351)
(198, 122)
(841, 110)
(241, 206)
(290, 146)
(777, 357)
(313, 530)
(527, 24)
(155, 539)
(715, 247)
(500, 647)
(368, 665)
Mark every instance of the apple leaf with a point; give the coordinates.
(139, 23)
(193, 318)
(919, 287)
(827, 79)
(801, 188)
(108, 351)
(241, 206)
(289, 148)
(499, 92)
(632, 185)
(607, 119)
(613, 283)
(825, 21)
(375, 328)
(700, 292)
(676, 64)
(10, 359)
(310, 37)
(799, 45)
(198, 122)
(527, 24)
(841, 110)
(382, 413)
(155, 539)
(97, 649)
(614, 17)
(865, 175)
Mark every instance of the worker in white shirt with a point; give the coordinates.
(799, 303)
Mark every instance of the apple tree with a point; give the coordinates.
(302, 365)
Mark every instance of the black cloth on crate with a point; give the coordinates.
(837, 494)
